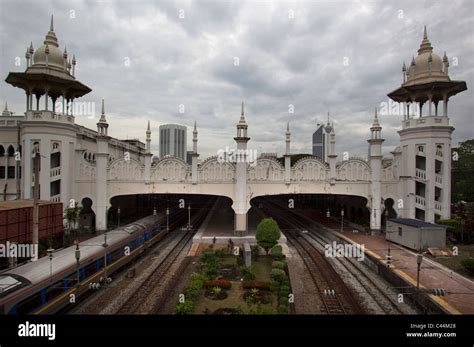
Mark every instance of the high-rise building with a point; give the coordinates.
(173, 141)
(319, 142)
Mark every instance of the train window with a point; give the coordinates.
(90, 269)
(100, 263)
(72, 280)
(30, 304)
(54, 290)
(117, 254)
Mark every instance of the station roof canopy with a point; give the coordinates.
(416, 223)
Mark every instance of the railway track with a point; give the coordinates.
(336, 298)
(382, 299)
(384, 302)
(161, 274)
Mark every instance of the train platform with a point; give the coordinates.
(460, 297)
(218, 227)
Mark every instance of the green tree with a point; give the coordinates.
(463, 172)
(210, 263)
(268, 233)
(71, 214)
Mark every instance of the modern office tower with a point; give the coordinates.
(173, 141)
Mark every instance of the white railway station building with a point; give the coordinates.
(80, 163)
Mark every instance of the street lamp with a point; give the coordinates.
(167, 219)
(342, 220)
(50, 255)
(328, 214)
(189, 217)
(118, 217)
(419, 259)
(77, 254)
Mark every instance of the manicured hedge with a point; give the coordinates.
(264, 285)
(224, 284)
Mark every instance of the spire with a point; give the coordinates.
(425, 44)
(328, 128)
(195, 128)
(5, 112)
(148, 128)
(102, 125)
(376, 124)
(51, 36)
(288, 127)
(242, 116)
(31, 48)
(404, 68)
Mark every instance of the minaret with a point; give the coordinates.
(287, 155)
(375, 159)
(332, 156)
(241, 204)
(148, 154)
(195, 156)
(148, 138)
(425, 142)
(5, 112)
(101, 155)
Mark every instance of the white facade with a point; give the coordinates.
(78, 163)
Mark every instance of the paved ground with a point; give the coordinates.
(433, 275)
(221, 222)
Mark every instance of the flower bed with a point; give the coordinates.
(224, 284)
(263, 285)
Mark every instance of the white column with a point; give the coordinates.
(446, 192)
(45, 168)
(101, 184)
(148, 167)
(430, 151)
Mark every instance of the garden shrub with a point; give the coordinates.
(255, 250)
(468, 264)
(186, 307)
(277, 252)
(247, 273)
(277, 264)
(278, 275)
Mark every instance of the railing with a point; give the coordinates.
(438, 206)
(55, 172)
(419, 200)
(439, 153)
(421, 174)
(425, 121)
(55, 198)
(439, 179)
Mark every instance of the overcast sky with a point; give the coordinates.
(145, 60)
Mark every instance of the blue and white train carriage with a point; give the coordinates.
(34, 289)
